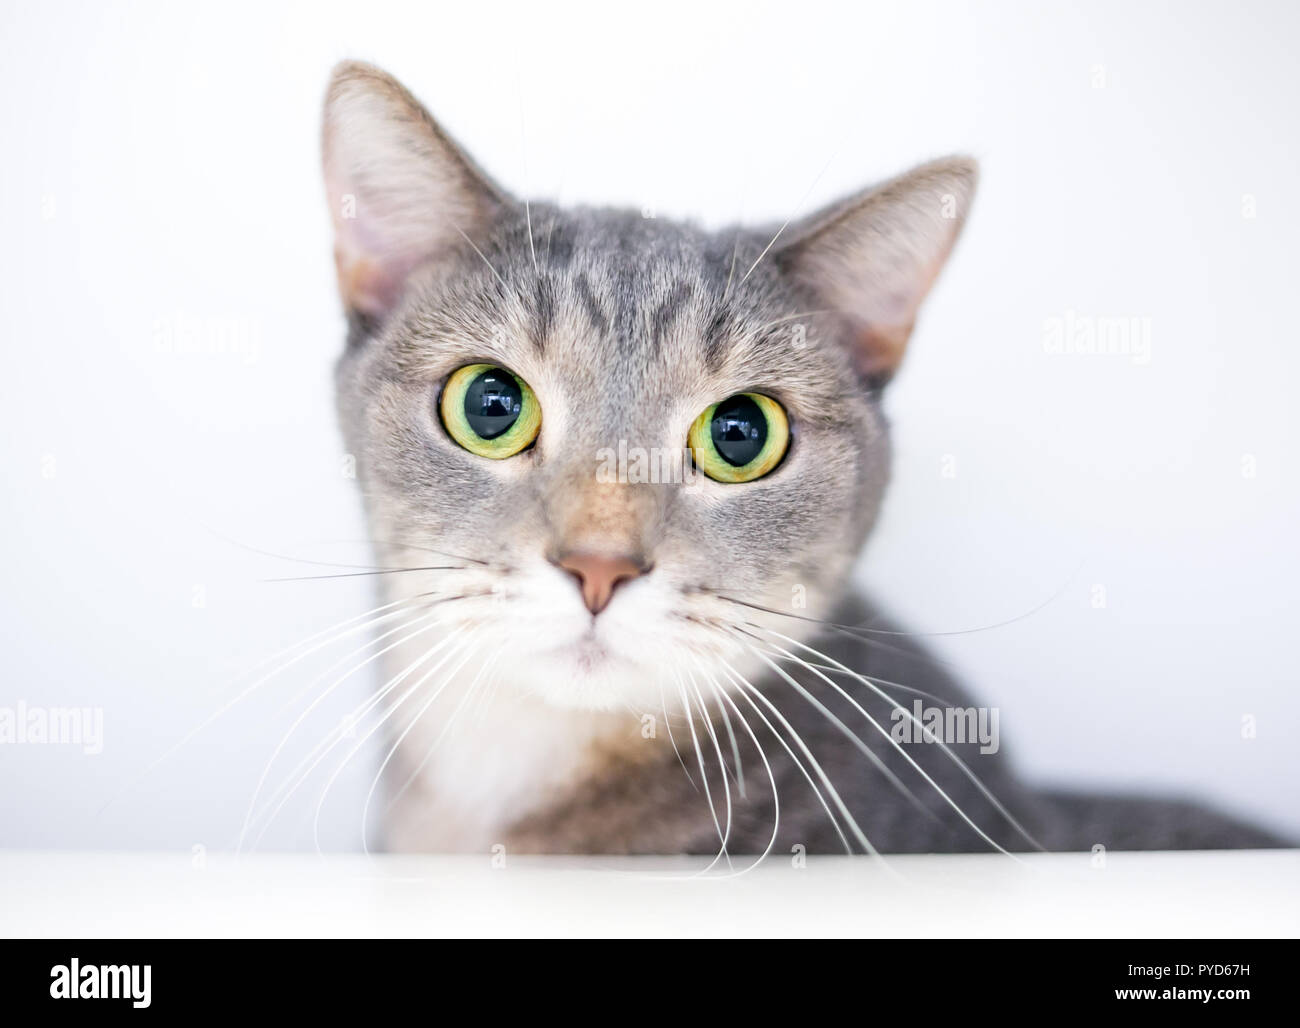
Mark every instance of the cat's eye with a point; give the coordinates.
(740, 438)
(490, 411)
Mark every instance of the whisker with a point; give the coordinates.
(523, 148)
(699, 756)
(736, 679)
(875, 678)
(426, 549)
(528, 214)
(984, 790)
(303, 768)
(786, 223)
(723, 836)
(483, 258)
(392, 750)
(848, 631)
(383, 720)
(886, 631)
(295, 779)
(731, 735)
(735, 250)
(771, 777)
(284, 740)
(284, 556)
(668, 724)
(364, 574)
(440, 601)
(392, 800)
(488, 694)
(821, 773)
(331, 635)
(852, 736)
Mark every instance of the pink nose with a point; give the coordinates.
(599, 576)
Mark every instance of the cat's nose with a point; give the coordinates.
(598, 576)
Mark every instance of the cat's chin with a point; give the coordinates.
(587, 674)
(589, 654)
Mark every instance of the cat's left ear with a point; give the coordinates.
(873, 257)
(401, 192)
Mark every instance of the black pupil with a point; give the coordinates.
(739, 430)
(492, 403)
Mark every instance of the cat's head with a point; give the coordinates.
(521, 383)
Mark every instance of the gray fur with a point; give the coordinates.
(627, 327)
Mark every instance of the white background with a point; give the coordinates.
(160, 171)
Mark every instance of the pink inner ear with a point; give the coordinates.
(880, 348)
(364, 284)
(370, 280)
(886, 309)
(874, 257)
(401, 192)
(372, 268)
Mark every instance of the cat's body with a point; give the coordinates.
(578, 652)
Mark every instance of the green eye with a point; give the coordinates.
(741, 438)
(490, 411)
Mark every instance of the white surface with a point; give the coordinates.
(1152, 894)
(161, 170)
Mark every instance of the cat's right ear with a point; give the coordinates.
(401, 192)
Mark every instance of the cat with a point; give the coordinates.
(618, 470)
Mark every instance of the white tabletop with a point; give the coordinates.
(70, 894)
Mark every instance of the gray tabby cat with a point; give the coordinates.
(598, 645)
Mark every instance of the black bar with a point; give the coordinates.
(465, 980)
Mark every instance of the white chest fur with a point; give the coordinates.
(482, 754)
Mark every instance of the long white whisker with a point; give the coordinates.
(415, 773)
(984, 790)
(830, 786)
(482, 257)
(523, 152)
(284, 740)
(528, 214)
(299, 775)
(884, 682)
(369, 643)
(735, 250)
(852, 736)
(491, 687)
(787, 221)
(731, 735)
(374, 784)
(725, 835)
(668, 724)
(699, 756)
(771, 777)
(333, 635)
(320, 803)
(737, 679)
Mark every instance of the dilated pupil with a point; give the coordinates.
(739, 430)
(492, 403)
